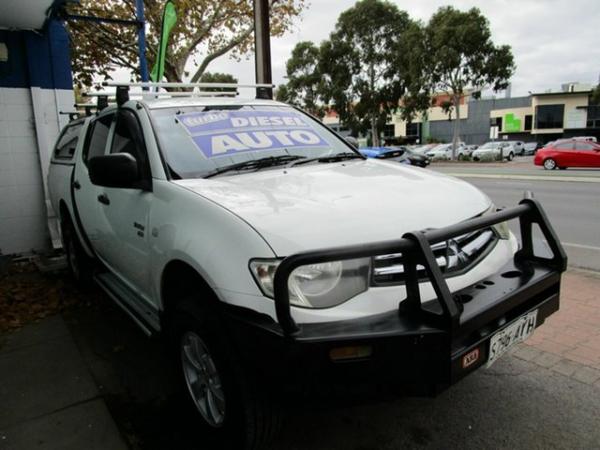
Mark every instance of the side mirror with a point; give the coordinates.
(117, 170)
(352, 141)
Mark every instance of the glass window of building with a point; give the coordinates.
(549, 116)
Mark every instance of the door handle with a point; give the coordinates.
(103, 198)
(76, 184)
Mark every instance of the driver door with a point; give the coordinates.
(124, 212)
(85, 193)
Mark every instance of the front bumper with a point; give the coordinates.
(422, 345)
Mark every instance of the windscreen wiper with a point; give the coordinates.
(330, 158)
(256, 164)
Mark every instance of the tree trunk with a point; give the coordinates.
(456, 136)
(374, 133)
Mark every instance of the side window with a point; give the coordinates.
(65, 148)
(98, 135)
(583, 146)
(565, 146)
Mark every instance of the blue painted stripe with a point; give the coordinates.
(36, 60)
(14, 72)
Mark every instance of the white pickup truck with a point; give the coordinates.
(274, 256)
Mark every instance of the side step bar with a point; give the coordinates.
(144, 315)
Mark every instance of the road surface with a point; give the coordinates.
(573, 207)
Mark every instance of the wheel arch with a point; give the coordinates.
(63, 212)
(178, 281)
(66, 215)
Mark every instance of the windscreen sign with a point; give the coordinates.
(220, 133)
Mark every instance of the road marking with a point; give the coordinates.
(585, 247)
(524, 177)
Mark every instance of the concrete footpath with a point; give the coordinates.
(48, 399)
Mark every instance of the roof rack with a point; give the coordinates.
(122, 93)
(187, 85)
(263, 91)
(88, 108)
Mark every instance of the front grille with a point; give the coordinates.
(453, 257)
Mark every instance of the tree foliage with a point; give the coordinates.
(205, 31)
(459, 54)
(595, 97)
(218, 77)
(304, 79)
(364, 64)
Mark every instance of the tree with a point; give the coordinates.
(304, 79)
(595, 97)
(218, 77)
(365, 65)
(459, 53)
(205, 30)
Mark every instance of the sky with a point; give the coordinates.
(553, 41)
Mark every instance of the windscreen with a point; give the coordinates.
(195, 141)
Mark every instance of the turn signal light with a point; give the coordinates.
(350, 353)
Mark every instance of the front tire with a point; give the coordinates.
(511, 156)
(233, 411)
(549, 164)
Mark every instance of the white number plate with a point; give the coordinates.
(516, 332)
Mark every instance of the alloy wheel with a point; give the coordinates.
(202, 379)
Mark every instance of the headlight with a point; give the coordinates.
(501, 228)
(321, 285)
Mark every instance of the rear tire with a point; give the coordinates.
(549, 164)
(241, 414)
(81, 266)
(511, 156)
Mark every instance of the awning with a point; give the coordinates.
(26, 14)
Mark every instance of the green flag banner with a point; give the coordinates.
(168, 22)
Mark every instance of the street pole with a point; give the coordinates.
(139, 15)
(262, 48)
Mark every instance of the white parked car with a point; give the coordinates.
(274, 257)
(518, 147)
(444, 151)
(494, 151)
(530, 148)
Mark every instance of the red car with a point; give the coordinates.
(568, 153)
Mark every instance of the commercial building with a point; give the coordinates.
(538, 117)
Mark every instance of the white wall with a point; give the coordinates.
(22, 199)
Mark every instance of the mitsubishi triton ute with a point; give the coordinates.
(272, 255)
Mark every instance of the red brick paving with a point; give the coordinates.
(573, 333)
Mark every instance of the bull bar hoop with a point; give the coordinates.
(416, 249)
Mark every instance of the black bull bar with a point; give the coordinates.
(416, 250)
